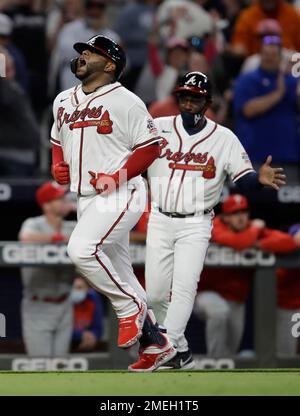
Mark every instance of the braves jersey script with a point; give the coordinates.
(190, 172)
(99, 131)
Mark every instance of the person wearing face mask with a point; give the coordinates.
(196, 156)
(88, 316)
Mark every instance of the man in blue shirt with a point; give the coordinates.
(266, 108)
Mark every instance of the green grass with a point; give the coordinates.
(101, 383)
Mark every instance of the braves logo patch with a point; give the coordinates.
(78, 119)
(202, 162)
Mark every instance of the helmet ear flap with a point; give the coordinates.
(73, 65)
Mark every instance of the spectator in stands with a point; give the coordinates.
(266, 108)
(176, 64)
(226, 65)
(232, 10)
(6, 26)
(29, 34)
(46, 311)
(160, 74)
(92, 23)
(88, 316)
(134, 24)
(61, 13)
(245, 40)
(181, 57)
(19, 135)
(288, 301)
(264, 28)
(223, 292)
(183, 19)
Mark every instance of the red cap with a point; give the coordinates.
(269, 26)
(234, 203)
(49, 191)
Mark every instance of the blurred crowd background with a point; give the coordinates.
(236, 43)
(247, 48)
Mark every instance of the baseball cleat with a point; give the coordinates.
(130, 328)
(181, 361)
(152, 357)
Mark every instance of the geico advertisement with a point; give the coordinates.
(29, 254)
(50, 364)
(15, 253)
(224, 256)
(82, 364)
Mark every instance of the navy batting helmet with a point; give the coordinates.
(195, 83)
(106, 47)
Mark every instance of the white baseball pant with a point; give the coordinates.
(175, 253)
(224, 323)
(99, 245)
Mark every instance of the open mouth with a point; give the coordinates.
(81, 63)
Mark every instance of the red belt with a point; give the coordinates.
(61, 299)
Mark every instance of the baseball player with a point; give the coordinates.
(103, 138)
(47, 314)
(196, 155)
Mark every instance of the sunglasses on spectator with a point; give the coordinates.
(271, 40)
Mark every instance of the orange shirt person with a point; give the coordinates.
(245, 40)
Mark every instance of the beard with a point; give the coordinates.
(92, 71)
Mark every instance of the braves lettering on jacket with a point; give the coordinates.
(189, 174)
(99, 131)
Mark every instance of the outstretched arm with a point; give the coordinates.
(266, 175)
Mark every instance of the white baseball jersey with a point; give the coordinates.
(99, 131)
(190, 172)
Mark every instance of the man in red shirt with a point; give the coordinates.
(223, 292)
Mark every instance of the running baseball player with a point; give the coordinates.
(103, 138)
(196, 155)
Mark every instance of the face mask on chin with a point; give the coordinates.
(191, 120)
(78, 295)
